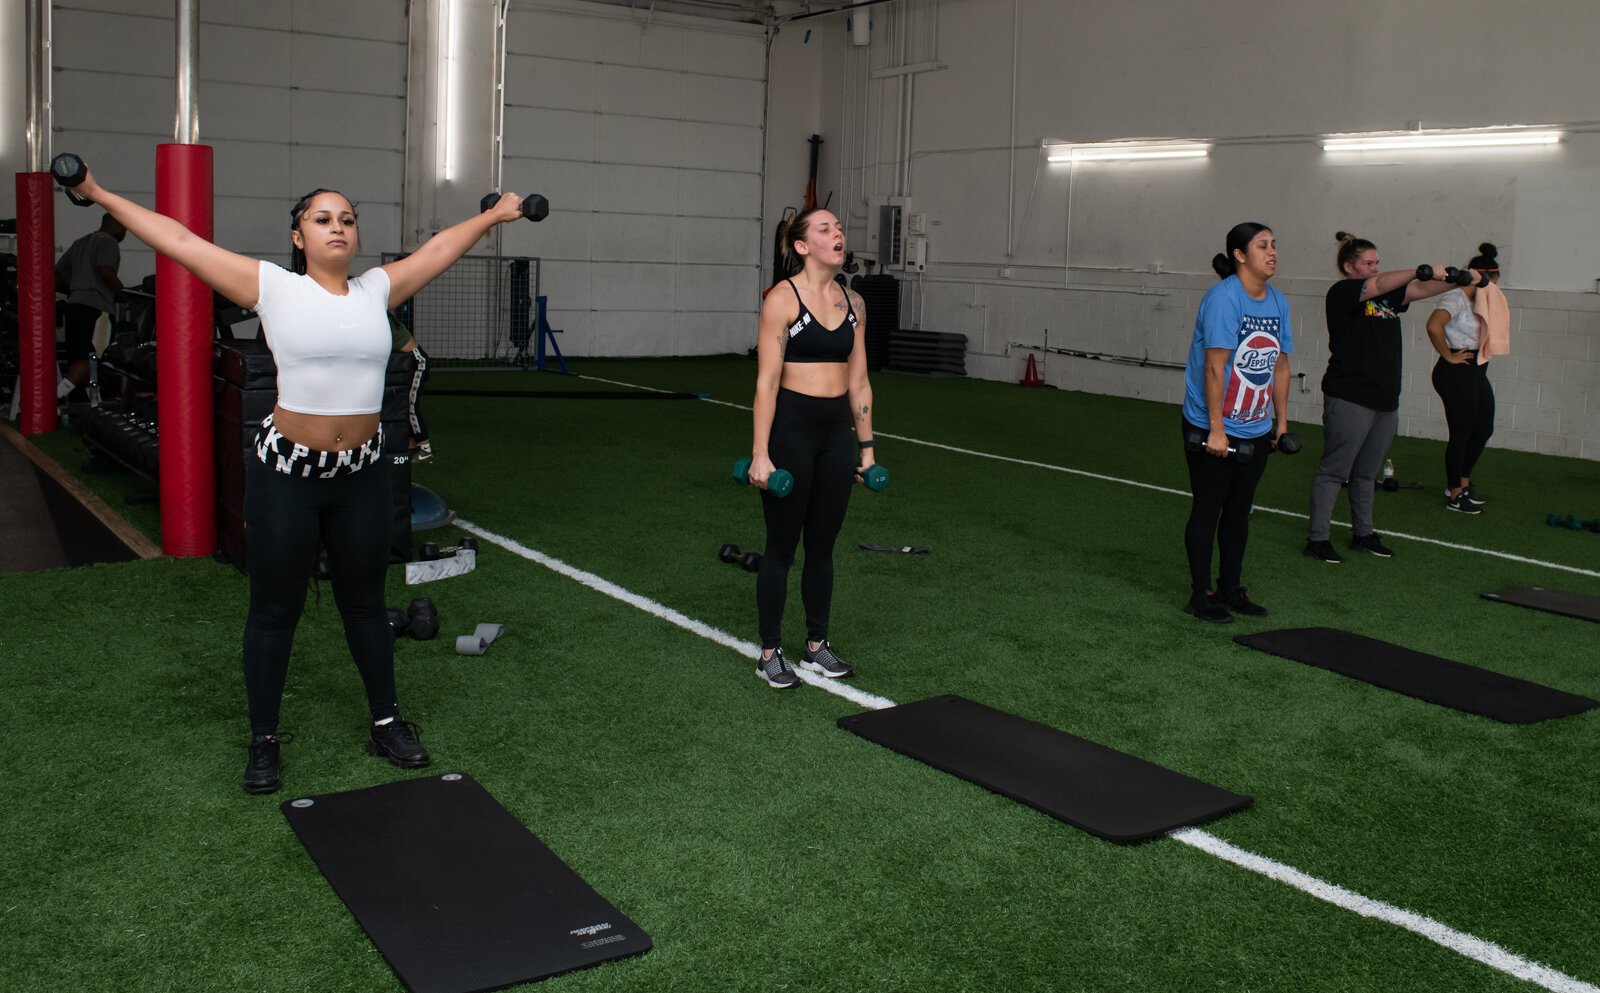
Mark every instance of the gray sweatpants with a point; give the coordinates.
(1355, 440)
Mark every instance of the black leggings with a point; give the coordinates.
(285, 518)
(1224, 490)
(1469, 411)
(812, 438)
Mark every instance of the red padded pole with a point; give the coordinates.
(36, 292)
(183, 362)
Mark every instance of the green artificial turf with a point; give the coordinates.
(762, 847)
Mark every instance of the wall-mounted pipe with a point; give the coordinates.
(37, 57)
(186, 120)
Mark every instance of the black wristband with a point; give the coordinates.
(867, 444)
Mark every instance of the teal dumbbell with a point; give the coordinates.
(779, 484)
(875, 478)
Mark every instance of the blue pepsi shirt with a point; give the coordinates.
(1255, 332)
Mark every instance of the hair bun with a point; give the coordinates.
(1488, 250)
(1343, 236)
(1223, 266)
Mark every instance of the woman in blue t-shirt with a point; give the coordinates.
(1235, 407)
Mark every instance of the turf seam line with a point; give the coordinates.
(1469, 946)
(748, 649)
(1508, 556)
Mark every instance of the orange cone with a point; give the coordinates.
(1032, 377)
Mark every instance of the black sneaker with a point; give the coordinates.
(397, 741)
(777, 671)
(1473, 497)
(824, 662)
(1461, 505)
(1239, 602)
(263, 773)
(1373, 544)
(1205, 607)
(1323, 550)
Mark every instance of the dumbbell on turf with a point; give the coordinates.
(70, 171)
(1288, 443)
(748, 561)
(1244, 451)
(534, 206)
(779, 484)
(431, 551)
(420, 620)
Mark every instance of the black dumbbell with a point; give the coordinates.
(398, 622)
(422, 619)
(1289, 443)
(1466, 277)
(1244, 451)
(431, 550)
(534, 206)
(70, 171)
(1460, 277)
(748, 561)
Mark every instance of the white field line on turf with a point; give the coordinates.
(1459, 942)
(748, 649)
(1508, 556)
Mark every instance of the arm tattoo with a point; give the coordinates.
(783, 342)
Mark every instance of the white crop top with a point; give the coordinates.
(1463, 330)
(331, 351)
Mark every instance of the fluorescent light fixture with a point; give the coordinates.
(1440, 140)
(1129, 151)
(446, 66)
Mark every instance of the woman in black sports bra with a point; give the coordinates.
(813, 409)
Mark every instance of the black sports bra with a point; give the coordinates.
(809, 341)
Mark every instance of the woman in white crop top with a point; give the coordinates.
(1462, 383)
(319, 477)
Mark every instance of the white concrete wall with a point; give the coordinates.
(644, 130)
(293, 94)
(1263, 80)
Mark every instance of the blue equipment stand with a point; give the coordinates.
(545, 331)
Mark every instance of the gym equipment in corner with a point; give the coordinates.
(1109, 794)
(453, 890)
(1553, 601)
(1416, 674)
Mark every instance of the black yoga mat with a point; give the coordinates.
(1107, 793)
(1416, 674)
(453, 890)
(1554, 601)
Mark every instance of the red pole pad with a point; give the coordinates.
(183, 361)
(36, 303)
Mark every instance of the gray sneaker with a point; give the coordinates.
(777, 671)
(824, 662)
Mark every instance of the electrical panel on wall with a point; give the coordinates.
(916, 255)
(893, 234)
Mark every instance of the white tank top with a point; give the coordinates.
(331, 351)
